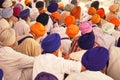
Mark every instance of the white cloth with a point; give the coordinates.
(88, 75)
(14, 64)
(21, 28)
(114, 63)
(54, 65)
(116, 34)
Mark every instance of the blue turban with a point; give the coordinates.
(45, 76)
(24, 14)
(51, 43)
(52, 7)
(95, 59)
(86, 41)
(43, 18)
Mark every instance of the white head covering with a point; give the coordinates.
(108, 28)
(3, 24)
(34, 14)
(7, 3)
(7, 37)
(7, 12)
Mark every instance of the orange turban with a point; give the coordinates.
(95, 19)
(60, 5)
(38, 29)
(114, 7)
(56, 15)
(72, 30)
(69, 20)
(91, 11)
(27, 1)
(101, 12)
(76, 12)
(115, 21)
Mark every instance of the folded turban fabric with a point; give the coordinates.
(4, 24)
(115, 21)
(7, 37)
(101, 12)
(69, 20)
(56, 15)
(40, 4)
(72, 30)
(24, 14)
(7, 12)
(45, 76)
(51, 43)
(86, 41)
(114, 7)
(69, 7)
(108, 28)
(76, 12)
(91, 11)
(16, 11)
(43, 18)
(19, 5)
(52, 7)
(38, 29)
(95, 4)
(85, 27)
(95, 59)
(7, 3)
(95, 19)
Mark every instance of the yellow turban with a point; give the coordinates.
(72, 30)
(69, 20)
(95, 19)
(76, 12)
(91, 11)
(56, 15)
(114, 7)
(38, 29)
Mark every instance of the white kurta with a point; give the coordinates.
(54, 65)
(114, 63)
(15, 64)
(88, 75)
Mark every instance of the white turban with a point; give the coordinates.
(7, 12)
(4, 24)
(7, 3)
(7, 37)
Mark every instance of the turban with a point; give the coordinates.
(40, 4)
(69, 7)
(27, 2)
(101, 12)
(7, 37)
(108, 28)
(52, 7)
(118, 43)
(51, 43)
(86, 41)
(16, 11)
(43, 18)
(95, 4)
(7, 12)
(91, 11)
(1, 2)
(34, 14)
(19, 5)
(114, 7)
(38, 29)
(69, 20)
(45, 76)
(76, 12)
(72, 30)
(4, 24)
(95, 59)
(85, 27)
(60, 5)
(56, 15)
(24, 14)
(115, 21)
(95, 19)
(7, 3)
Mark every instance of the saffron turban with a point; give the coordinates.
(91, 11)
(56, 15)
(95, 19)
(69, 20)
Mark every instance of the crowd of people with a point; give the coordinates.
(50, 40)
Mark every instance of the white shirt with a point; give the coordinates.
(14, 64)
(88, 75)
(54, 65)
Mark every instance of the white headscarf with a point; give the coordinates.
(7, 3)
